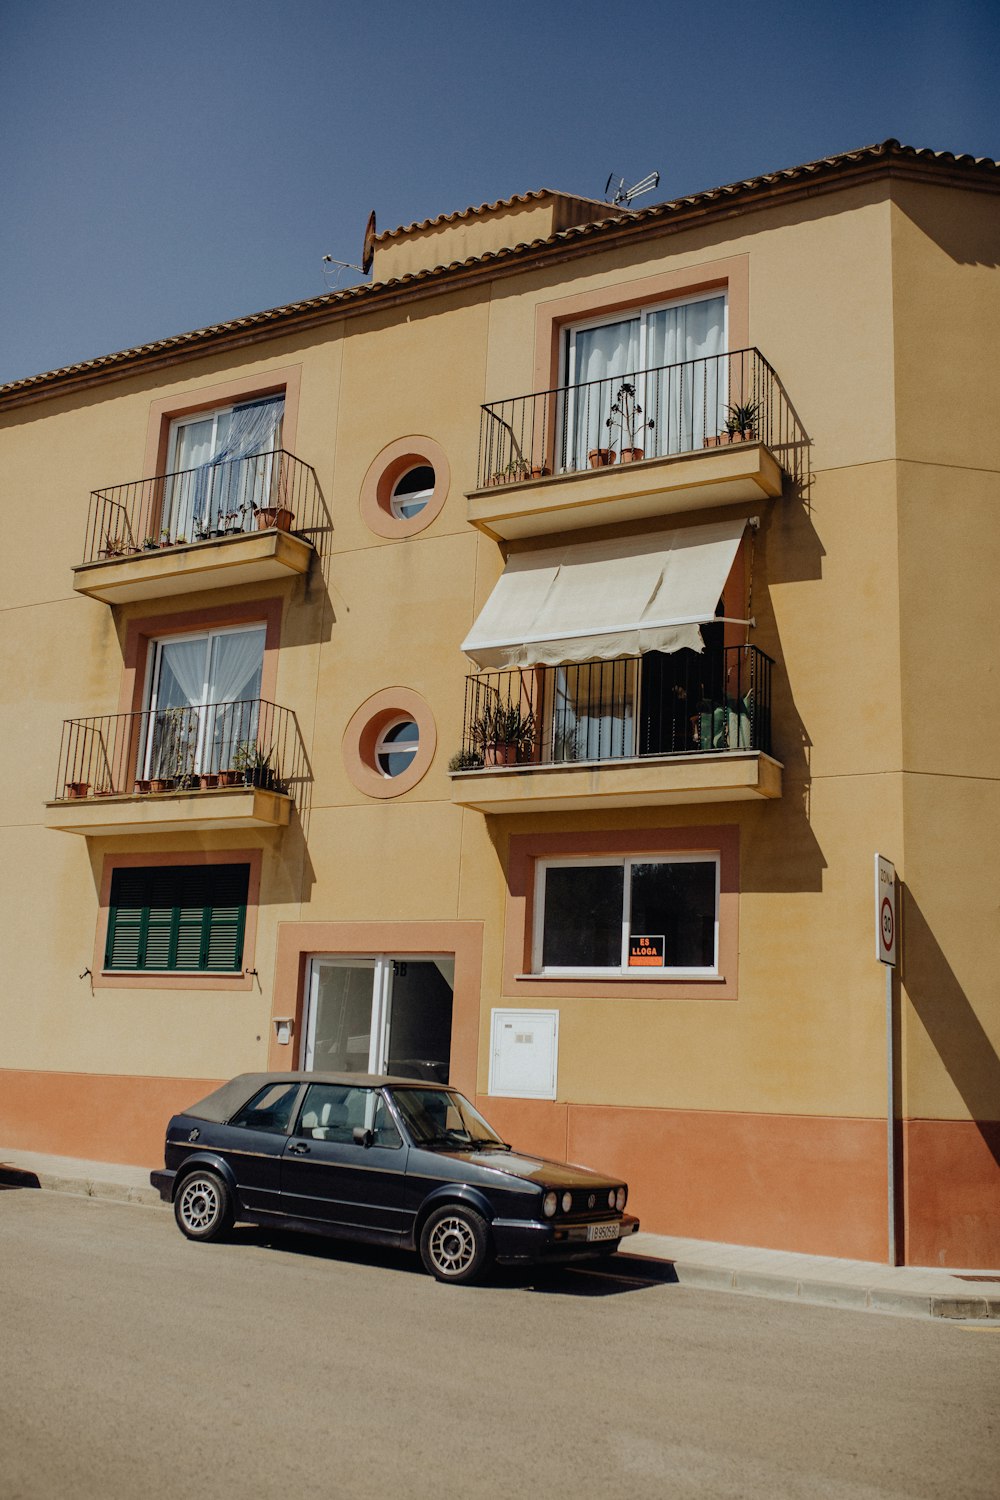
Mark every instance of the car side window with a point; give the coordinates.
(269, 1109)
(332, 1112)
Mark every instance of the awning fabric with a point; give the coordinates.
(583, 601)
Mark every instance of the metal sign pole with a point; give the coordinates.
(890, 1069)
(886, 941)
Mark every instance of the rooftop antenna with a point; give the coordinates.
(623, 195)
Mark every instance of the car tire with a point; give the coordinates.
(455, 1244)
(203, 1206)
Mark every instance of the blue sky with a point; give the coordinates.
(168, 165)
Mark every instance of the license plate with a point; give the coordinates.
(603, 1231)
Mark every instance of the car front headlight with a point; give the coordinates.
(621, 1198)
(549, 1204)
(567, 1202)
(611, 1198)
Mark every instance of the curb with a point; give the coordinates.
(847, 1295)
(81, 1187)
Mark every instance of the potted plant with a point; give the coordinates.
(600, 458)
(150, 544)
(741, 421)
(208, 780)
(174, 750)
(741, 425)
(273, 517)
(75, 789)
(466, 760)
(165, 538)
(253, 765)
(503, 732)
(143, 785)
(625, 416)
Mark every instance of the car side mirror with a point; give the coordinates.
(362, 1137)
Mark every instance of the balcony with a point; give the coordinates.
(649, 731)
(708, 432)
(183, 769)
(244, 521)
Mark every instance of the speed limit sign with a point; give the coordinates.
(885, 910)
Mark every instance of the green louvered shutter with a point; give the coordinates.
(188, 918)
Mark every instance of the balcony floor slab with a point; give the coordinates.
(732, 776)
(170, 812)
(734, 474)
(251, 557)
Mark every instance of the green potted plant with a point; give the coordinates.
(253, 766)
(466, 760)
(174, 749)
(626, 414)
(741, 421)
(503, 732)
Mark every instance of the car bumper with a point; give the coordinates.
(520, 1240)
(164, 1184)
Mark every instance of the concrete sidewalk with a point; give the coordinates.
(914, 1291)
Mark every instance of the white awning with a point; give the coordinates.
(583, 601)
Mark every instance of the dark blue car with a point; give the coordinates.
(393, 1161)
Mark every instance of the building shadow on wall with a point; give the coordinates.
(780, 851)
(950, 1021)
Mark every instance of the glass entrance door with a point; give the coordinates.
(386, 1013)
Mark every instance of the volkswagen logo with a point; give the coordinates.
(592, 1201)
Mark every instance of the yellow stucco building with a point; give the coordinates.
(507, 670)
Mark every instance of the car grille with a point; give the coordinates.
(588, 1204)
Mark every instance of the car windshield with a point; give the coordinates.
(440, 1118)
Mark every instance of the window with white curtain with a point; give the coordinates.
(221, 468)
(646, 385)
(204, 692)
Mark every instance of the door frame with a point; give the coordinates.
(382, 965)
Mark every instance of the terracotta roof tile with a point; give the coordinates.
(617, 220)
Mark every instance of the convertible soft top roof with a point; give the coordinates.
(221, 1105)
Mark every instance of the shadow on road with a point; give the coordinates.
(603, 1278)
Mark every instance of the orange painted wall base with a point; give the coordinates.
(94, 1117)
(808, 1183)
(952, 1173)
(786, 1182)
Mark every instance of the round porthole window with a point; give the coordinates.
(389, 742)
(405, 487)
(411, 492)
(396, 746)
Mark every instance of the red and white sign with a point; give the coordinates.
(885, 910)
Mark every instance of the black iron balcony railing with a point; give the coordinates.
(263, 491)
(679, 704)
(659, 413)
(187, 749)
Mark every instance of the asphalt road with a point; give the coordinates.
(137, 1366)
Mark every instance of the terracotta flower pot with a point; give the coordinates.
(208, 779)
(229, 778)
(142, 786)
(75, 789)
(500, 754)
(274, 517)
(601, 458)
(161, 783)
(632, 455)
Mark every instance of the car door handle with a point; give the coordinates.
(298, 1148)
